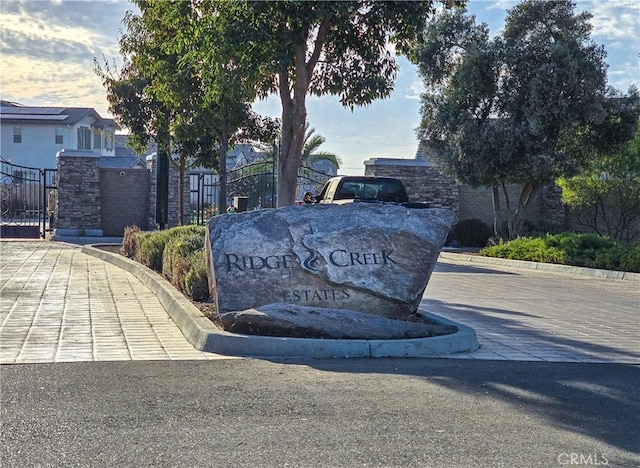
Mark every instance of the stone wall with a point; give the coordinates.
(124, 195)
(552, 209)
(425, 183)
(422, 180)
(93, 201)
(477, 203)
(78, 210)
(546, 206)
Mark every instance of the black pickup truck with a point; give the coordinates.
(350, 189)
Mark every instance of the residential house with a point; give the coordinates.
(31, 136)
(243, 154)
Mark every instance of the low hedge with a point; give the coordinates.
(177, 253)
(586, 250)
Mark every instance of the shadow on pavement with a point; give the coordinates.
(519, 330)
(600, 401)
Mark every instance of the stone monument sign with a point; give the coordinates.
(374, 258)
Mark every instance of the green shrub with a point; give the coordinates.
(526, 248)
(176, 251)
(587, 250)
(630, 261)
(195, 281)
(151, 245)
(151, 248)
(469, 233)
(581, 249)
(185, 230)
(607, 259)
(130, 241)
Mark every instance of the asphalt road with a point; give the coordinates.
(320, 413)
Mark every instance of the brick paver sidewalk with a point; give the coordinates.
(58, 304)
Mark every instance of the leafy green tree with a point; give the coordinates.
(521, 108)
(606, 196)
(227, 81)
(300, 48)
(134, 97)
(194, 114)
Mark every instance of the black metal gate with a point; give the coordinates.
(27, 200)
(256, 182)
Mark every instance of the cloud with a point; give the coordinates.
(60, 50)
(416, 88)
(48, 50)
(613, 20)
(64, 31)
(50, 84)
(94, 16)
(38, 28)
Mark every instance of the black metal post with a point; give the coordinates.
(44, 212)
(274, 172)
(162, 188)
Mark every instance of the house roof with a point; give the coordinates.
(13, 112)
(121, 162)
(4, 103)
(242, 154)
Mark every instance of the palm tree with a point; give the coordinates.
(312, 142)
(310, 153)
(311, 175)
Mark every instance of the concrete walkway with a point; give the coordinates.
(58, 304)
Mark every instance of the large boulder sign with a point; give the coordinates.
(374, 258)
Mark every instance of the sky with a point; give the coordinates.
(48, 50)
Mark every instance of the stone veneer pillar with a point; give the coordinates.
(78, 211)
(421, 179)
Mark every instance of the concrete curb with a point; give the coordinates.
(205, 336)
(84, 240)
(565, 269)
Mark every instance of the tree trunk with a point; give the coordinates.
(529, 190)
(294, 113)
(497, 212)
(294, 117)
(289, 161)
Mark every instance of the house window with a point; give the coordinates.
(59, 136)
(17, 134)
(84, 138)
(97, 139)
(108, 140)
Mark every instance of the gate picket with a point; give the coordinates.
(27, 200)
